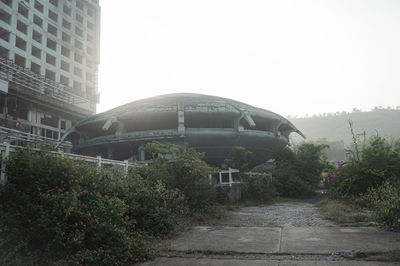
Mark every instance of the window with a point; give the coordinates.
(64, 80)
(89, 63)
(37, 36)
(66, 37)
(38, 21)
(50, 75)
(23, 10)
(90, 50)
(89, 38)
(66, 24)
(38, 6)
(3, 52)
(67, 10)
(89, 77)
(77, 85)
(90, 12)
(90, 25)
(64, 66)
(79, 18)
(78, 44)
(52, 45)
(65, 51)
(52, 30)
(78, 58)
(79, 5)
(19, 60)
(4, 16)
(50, 59)
(53, 16)
(22, 27)
(79, 31)
(21, 44)
(7, 2)
(35, 68)
(54, 2)
(78, 72)
(4, 34)
(36, 52)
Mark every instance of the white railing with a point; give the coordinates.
(222, 182)
(21, 138)
(6, 149)
(32, 81)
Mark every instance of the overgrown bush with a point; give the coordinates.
(182, 168)
(257, 188)
(377, 163)
(385, 202)
(298, 172)
(60, 210)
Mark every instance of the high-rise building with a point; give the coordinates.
(49, 56)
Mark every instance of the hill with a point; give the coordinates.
(334, 129)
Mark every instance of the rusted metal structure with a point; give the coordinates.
(213, 125)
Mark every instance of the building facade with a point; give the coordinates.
(49, 56)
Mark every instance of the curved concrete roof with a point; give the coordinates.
(211, 124)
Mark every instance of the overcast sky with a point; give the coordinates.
(290, 57)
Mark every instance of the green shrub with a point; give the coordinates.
(385, 202)
(298, 172)
(61, 210)
(257, 188)
(186, 172)
(157, 210)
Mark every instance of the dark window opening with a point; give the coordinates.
(54, 2)
(79, 5)
(63, 124)
(78, 58)
(66, 24)
(52, 45)
(4, 16)
(49, 120)
(199, 120)
(66, 37)
(37, 36)
(53, 16)
(19, 60)
(52, 30)
(78, 44)
(3, 52)
(51, 59)
(50, 75)
(38, 6)
(65, 51)
(38, 21)
(35, 68)
(4, 34)
(21, 44)
(36, 52)
(64, 80)
(23, 10)
(79, 31)
(22, 27)
(79, 18)
(157, 121)
(67, 10)
(7, 2)
(64, 66)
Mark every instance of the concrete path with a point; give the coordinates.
(291, 233)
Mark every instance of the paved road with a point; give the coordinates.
(285, 233)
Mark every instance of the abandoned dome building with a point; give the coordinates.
(213, 125)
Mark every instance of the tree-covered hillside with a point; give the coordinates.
(334, 128)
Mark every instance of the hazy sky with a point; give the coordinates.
(290, 57)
